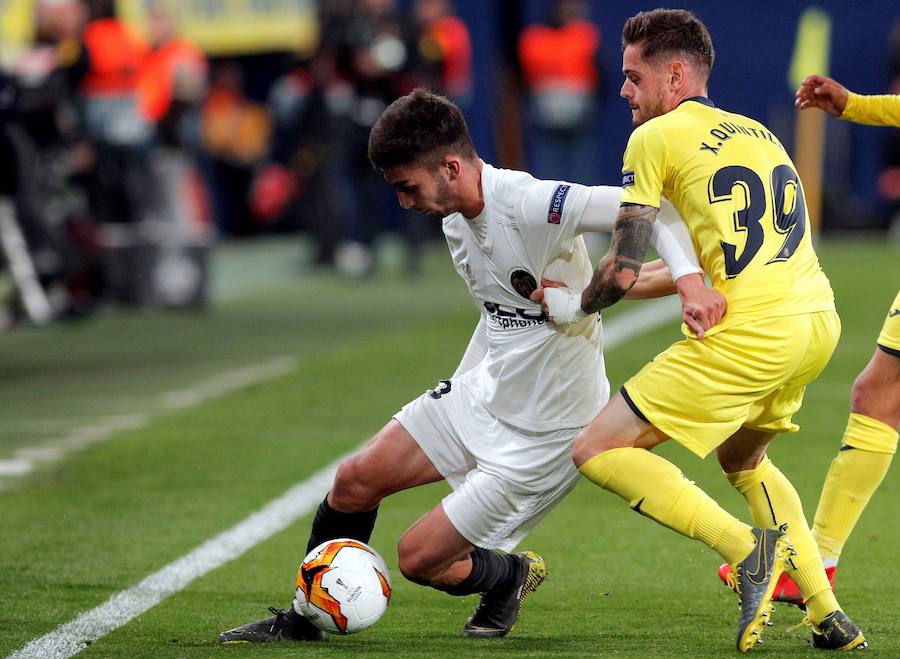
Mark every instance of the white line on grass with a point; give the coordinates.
(25, 459)
(121, 608)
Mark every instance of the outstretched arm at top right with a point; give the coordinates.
(823, 93)
(835, 99)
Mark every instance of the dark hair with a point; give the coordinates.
(670, 32)
(419, 129)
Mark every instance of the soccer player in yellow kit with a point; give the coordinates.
(870, 439)
(734, 390)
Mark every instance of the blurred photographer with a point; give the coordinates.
(45, 157)
(374, 49)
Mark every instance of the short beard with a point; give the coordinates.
(652, 111)
(658, 109)
(442, 200)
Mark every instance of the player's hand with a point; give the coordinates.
(823, 93)
(562, 305)
(701, 307)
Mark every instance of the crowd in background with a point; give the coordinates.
(128, 153)
(125, 154)
(99, 144)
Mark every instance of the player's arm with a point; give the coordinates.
(670, 239)
(701, 306)
(655, 281)
(642, 183)
(835, 99)
(563, 305)
(618, 270)
(821, 92)
(600, 212)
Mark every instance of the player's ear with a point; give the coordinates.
(452, 166)
(676, 74)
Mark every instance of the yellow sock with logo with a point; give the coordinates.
(868, 446)
(657, 489)
(774, 501)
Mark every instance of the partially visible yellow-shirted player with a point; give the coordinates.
(889, 339)
(732, 391)
(870, 439)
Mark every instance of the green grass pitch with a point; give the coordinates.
(80, 529)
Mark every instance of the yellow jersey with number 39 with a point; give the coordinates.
(739, 194)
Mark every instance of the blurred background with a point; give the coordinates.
(136, 136)
(207, 294)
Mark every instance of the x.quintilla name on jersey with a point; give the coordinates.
(728, 129)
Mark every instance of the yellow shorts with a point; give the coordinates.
(751, 375)
(889, 339)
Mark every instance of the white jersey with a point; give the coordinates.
(534, 376)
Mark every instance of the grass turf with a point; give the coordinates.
(80, 530)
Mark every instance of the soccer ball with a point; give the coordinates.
(343, 586)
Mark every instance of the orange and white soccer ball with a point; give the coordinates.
(343, 586)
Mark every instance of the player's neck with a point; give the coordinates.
(682, 95)
(472, 197)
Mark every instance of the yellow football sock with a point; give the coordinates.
(819, 605)
(774, 501)
(868, 446)
(657, 489)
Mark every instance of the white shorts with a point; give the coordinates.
(504, 479)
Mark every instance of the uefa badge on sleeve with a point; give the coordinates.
(557, 201)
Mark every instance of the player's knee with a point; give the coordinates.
(585, 448)
(412, 561)
(874, 397)
(352, 491)
(865, 389)
(733, 461)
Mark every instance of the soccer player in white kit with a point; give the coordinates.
(500, 430)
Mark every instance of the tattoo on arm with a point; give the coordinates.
(619, 269)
